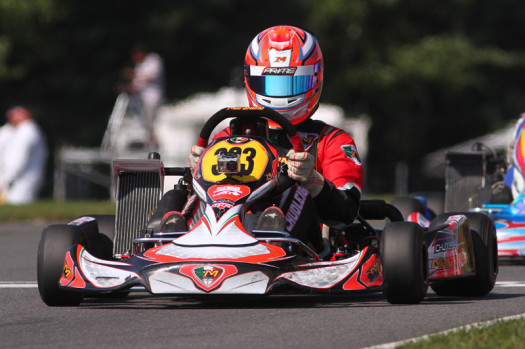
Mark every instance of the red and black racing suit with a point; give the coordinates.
(338, 162)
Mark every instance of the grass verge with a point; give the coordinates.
(501, 335)
(50, 210)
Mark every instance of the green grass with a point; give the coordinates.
(50, 210)
(501, 335)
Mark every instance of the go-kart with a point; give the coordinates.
(219, 255)
(479, 181)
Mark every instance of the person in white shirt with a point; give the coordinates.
(147, 83)
(23, 155)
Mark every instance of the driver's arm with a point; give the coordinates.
(338, 162)
(334, 179)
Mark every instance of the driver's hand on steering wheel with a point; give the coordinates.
(195, 155)
(301, 168)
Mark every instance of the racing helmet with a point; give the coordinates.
(283, 70)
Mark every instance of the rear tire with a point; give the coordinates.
(54, 243)
(407, 205)
(106, 229)
(405, 262)
(106, 225)
(435, 200)
(485, 254)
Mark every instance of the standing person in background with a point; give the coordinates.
(23, 154)
(147, 85)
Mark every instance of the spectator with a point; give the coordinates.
(147, 86)
(23, 154)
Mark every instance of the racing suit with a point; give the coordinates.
(337, 204)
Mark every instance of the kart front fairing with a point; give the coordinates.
(257, 269)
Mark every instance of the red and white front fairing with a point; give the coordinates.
(169, 269)
(450, 250)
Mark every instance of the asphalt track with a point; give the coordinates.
(274, 322)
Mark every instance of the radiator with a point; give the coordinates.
(138, 185)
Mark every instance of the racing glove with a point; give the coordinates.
(195, 155)
(301, 168)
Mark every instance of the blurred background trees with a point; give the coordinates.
(429, 74)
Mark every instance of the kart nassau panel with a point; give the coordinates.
(166, 270)
(450, 250)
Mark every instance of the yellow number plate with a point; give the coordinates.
(253, 160)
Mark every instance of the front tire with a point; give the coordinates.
(54, 243)
(405, 265)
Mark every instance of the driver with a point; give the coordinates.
(283, 70)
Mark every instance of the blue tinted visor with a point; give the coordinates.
(276, 82)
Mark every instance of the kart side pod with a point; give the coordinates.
(450, 249)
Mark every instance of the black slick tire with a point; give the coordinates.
(405, 265)
(54, 243)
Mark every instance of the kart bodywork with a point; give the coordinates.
(221, 255)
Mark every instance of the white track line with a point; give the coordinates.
(18, 284)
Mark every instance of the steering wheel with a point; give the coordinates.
(268, 113)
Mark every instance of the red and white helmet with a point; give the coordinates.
(283, 70)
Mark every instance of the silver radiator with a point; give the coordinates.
(138, 191)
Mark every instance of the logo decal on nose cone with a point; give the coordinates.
(208, 276)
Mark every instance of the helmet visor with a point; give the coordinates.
(281, 82)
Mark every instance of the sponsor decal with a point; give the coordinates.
(308, 139)
(208, 276)
(245, 108)
(230, 193)
(66, 271)
(443, 263)
(279, 71)
(81, 221)
(443, 245)
(222, 205)
(351, 153)
(279, 59)
(238, 140)
(296, 207)
(373, 272)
